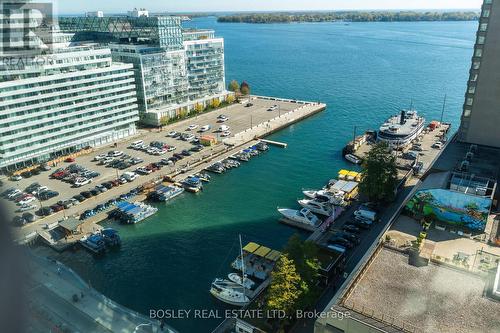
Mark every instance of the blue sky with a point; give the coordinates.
(117, 6)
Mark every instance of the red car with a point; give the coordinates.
(69, 160)
(56, 208)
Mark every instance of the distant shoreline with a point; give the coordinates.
(350, 16)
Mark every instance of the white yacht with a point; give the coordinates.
(399, 130)
(236, 278)
(229, 292)
(302, 216)
(317, 207)
(336, 198)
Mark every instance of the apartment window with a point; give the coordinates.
(469, 101)
(467, 113)
(472, 89)
(483, 27)
(487, 2)
(478, 53)
(486, 13)
(481, 40)
(476, 65)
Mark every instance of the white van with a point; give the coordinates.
(223, 128)
(136, 144)
(365, 214)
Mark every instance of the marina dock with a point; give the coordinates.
(275, 143)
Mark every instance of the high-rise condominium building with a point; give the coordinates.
(63, 100)
(481, 113)
(175, 69)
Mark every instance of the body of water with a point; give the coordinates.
(363, 71)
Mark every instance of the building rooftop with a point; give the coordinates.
(433, 298)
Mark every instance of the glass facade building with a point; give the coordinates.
(174, 69)
(64, 100)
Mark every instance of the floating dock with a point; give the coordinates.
(275, 143)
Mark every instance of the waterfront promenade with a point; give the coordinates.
(64, 301)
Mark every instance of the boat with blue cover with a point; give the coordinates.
(95, 243)
(131, 213)
(164, 193)
(192, 184)
(111, 237)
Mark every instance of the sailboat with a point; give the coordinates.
(231, 292)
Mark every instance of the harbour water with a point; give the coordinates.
(364, 72)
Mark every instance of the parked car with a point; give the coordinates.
(16, 178)
(69, 160)
(188, 137)
(143, 171)
(438, 145)
(225, 133)
(192, 127)
(79, 182)
(186, 152)
(86, 194)
(341, 241)
(47, 195)
(172, 134)
(197, 148)
(349, 236)
(222, 118)
(44, 211)
(115, 153)
(410, 155)
(205, 128)
(26, 201)
(26, 174)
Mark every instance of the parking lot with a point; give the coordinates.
(86, 173)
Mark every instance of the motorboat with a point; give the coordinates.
(323, 208)
(236, 278)
(111, 237)
(229, 292)
(165, 193)
(216, 167)
(132, 213)
(262, 146)
(353, 159)
(204, 177)
(192, 184)
(326, 196)
(304, 216)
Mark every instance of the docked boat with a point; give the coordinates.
(245, 157)
(94, 243)
(192, 184)
(262, 146)
(164, 193)
(326, 196)
(301, 216)
(236, 278)
(353, 159)
(229, 292)
(111, 237)
(317, 207)
(399, 130)
(216, 167)
(204, 177)
(132, 213)
(251, 151)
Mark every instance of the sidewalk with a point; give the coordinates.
(84, 306)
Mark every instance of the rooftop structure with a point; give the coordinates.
(393, 296)
(482, 99)
(400, 130)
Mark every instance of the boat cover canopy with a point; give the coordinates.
(273, 255)
(135, 210)
(343, 185)
(343, 172)
(251, 247)
(262, 251)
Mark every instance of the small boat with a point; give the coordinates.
(243, 157)
(317, 207)
(326, 196)
(216, 167)
(251, 151)
(132, 213)
(192, 184)
(353, 159)
(236, 278)
(111, 237)
(204, 177)
(94, 243)
(165, 193)
(229, 292)
(262, 146)
(301, 216)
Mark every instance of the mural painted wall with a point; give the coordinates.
(450, 207)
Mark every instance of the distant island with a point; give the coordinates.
(351, 16)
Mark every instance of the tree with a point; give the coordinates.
(215, 103)
(285, 288)
(164, 120)
(379, 176)
(244, 88)
(198, 107)
(234, 86)
(230, 99)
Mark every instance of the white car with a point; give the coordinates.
(189, 137)
(171, 148)
(82, 181)
(205, 128)
(438, 145)
(192, 127)
(223, 128)
(225, 133)
(172, 134)
(106, 160)
(26, 201)
(100, 157)
(14, 193)
(143, 171)
(222, 118)
(115, 153)
(39, 190)
(16, 178)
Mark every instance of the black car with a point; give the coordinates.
(86, 194)
(351, 228)
(178, 156)
(19, 221)
(95, 192)
(79, 198)
(197, 148)
(341, 241)
(107, 185)
(35, 171)
(26, 174)
(186, 152)
(350, 237)
(46, 195)
(360, 224)
(44, 211)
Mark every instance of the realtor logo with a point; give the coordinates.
(25, 28)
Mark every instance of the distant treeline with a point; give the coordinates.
(372, 16)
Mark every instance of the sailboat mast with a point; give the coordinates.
(242, 266)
